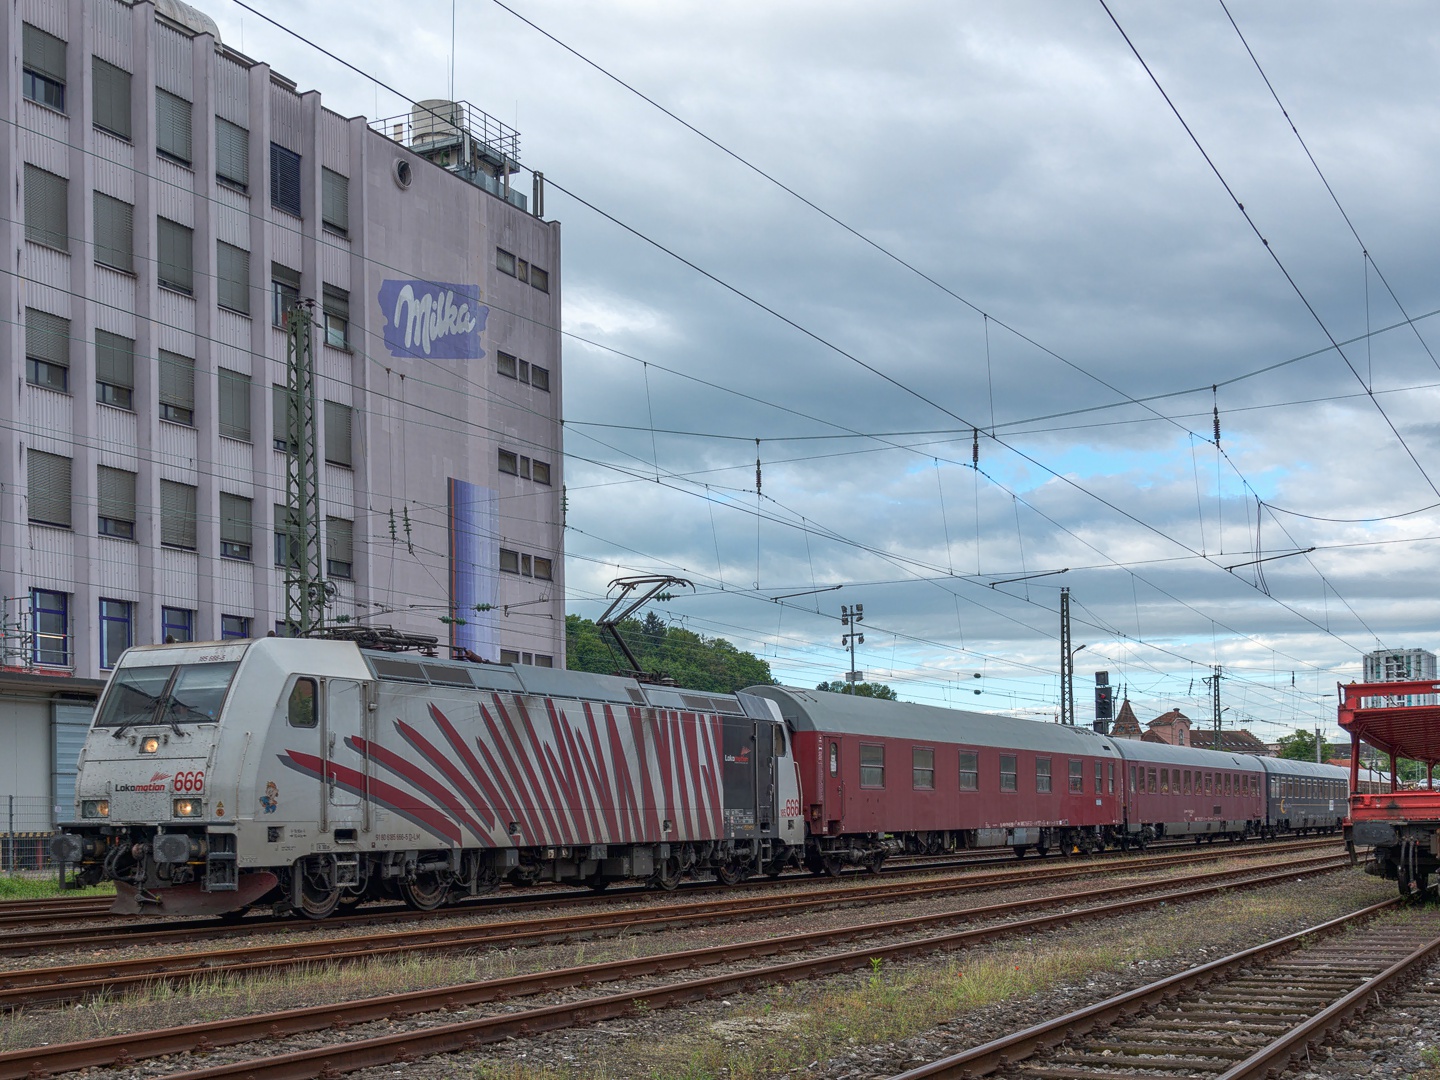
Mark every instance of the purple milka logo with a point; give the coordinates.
(434, 319)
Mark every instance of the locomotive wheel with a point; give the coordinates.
(426, 893)
(318, 898)
(832, 866)
(667, 877)
(729, 874)
(1020, 851)
(598, 883)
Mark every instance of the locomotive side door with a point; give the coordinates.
(340, 720)
(765, 776)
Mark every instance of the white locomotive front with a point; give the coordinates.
(308, 774)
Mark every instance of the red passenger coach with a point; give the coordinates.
(1403, 826)
(887, 777)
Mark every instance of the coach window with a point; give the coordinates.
(1007, 772)
(1153, 787)
(1099, 777)
(872, 766)
(301, 710)
(969, 770)
(1110, 778)
(922, 768)
(1227, 784)
(1042, 774)
(834, 759)
(1164, 781)
(1187, 782)
(1077, 777)
(1207, 783)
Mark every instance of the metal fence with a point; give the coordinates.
(25, 831)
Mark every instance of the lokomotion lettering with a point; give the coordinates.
(434, 319)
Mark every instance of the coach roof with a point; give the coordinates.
(819, 710)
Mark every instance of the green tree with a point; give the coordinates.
(861, 689)
(693, 661)
(1301, 747)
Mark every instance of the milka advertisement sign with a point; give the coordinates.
(435, 320)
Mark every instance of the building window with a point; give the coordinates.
(509, 656)
(339, 547)
(115, 498)
(1042, 774)
(234, 626)
(284, 292)
(114, 233)
(335, 202)
(177, 515)
(509, 462)
(234, 405)
(285, 179)
(47, 350)
(969, 770)
(44, 67)
(47, 215)
(544, 661)
(539, 279)
(176, 624)
(1077, 778)
(1008, 773)
(336, 305)
(522, 270)
(505, 261)
(114, 370)
(509, 561)
(922, 768)
(177, 388)
(337, 434)
(284, 418)
(232, 154)
(232, 274)
(48, 480)
(540, 378)
(50, 625)
(115, 630)
(505, 364)
(235, 527)
(540, 472)
(111, 98)
(286, 553)
(872, 766)
(175, 256)
(172, 127)
(543, 568)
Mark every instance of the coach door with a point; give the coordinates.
(834, 764)
(340, 721)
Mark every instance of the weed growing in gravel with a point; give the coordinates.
(41, 886)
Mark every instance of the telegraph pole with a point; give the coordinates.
(852, 615)
(1214, 681)
(306, 590)
(1067, 663)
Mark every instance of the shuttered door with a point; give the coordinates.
(115, 495)
(114, 360)
(114, 233)
(234, 404)
(335, 201)
(177, 388)
(175, 262)
(285, 179)
(337, 433)
(177, 515)
(47, 219)
(172, 126)
(48, 476)
(112, 99)
(232, 268)
(232, 153)
(69, 723)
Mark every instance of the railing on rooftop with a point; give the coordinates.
(462, 139)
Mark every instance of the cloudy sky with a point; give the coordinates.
(995, 221)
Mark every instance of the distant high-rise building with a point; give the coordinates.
(1402, 665)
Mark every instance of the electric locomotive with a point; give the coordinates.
(310, 774)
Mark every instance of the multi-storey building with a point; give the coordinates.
(167, 201)
(1402, 665)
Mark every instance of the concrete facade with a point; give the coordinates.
(162, 191)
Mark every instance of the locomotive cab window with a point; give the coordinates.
(166, 694)
(1007, 772)
(777, 740)
(872, 766)
(300, 710)
(969, 770)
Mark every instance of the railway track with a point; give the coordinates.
(209, 931)
(919, 939)
(1246, 1017)
(38, 924)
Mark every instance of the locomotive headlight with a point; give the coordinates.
(187, 807)
(150, 744)
(95, 808)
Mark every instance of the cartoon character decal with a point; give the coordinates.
(271, 799)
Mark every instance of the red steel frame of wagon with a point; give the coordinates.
(1402, 826)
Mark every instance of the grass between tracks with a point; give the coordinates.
(798, 1032)
(39, 885)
